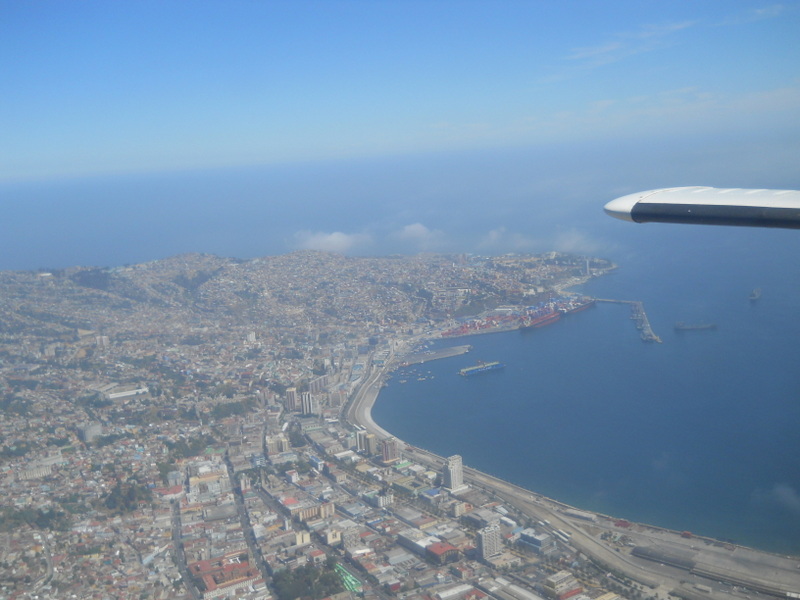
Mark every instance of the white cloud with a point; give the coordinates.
(415, 231)
(631, 43)
(785, 100)
(573, 241)
(596, 53)
(660, 31)
(421, 236)
(781, 495)
(330, 242)
(700, 109)
(502, 240)
(756, 14)
(493, 238)
(785, 496)
(685, 109)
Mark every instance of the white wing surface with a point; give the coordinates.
(710, 206)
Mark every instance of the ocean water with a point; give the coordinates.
(700, 433)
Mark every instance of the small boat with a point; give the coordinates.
(755, 294)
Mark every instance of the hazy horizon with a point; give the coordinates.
(488, 201)
(133, 132)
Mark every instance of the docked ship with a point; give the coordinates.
(577, 305)
(531, 317)
(550, 312)
(481, 367)
(540, 321)
(681, 326)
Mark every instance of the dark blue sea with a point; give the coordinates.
(700, 433)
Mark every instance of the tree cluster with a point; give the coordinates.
(195, 446)
(125, 497)
(307, 583)
(11, 518)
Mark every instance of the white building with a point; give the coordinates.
(453, 474)
(489, 541)
(308, 404)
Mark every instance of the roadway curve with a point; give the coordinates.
(666, 579)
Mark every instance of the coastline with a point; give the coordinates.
(716, 559)
(359, 409)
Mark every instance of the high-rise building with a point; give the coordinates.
(453, 474)
(390, 450)
(89, 432)
(350, 538)
(291, 399)
(361, 440)
(489, 541)
(318, 385)
(277, 443)
(308, 405)
(457, 509)
(372, 444)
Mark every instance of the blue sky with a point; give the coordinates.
(106, 87)
(517, 100)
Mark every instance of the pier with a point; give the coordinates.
(639, 316)
(418, 358)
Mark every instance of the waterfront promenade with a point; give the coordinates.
(676, 563)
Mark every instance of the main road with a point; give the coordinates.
(359, 410)
(180, 553)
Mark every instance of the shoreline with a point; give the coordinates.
(716, 558)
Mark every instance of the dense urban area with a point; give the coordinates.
(198, 427)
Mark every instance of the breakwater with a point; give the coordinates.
(639, 316)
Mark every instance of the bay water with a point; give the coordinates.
(699, 433)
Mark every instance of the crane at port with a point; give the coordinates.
(710, 206)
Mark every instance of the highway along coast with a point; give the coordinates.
(667, 561)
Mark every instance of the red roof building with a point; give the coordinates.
(442, 553)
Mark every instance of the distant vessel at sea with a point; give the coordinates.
(755, 294)
(681, 326)
(481, 367)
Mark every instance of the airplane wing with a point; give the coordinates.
(710, 206)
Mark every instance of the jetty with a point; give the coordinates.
(418, 358)
(639, 316)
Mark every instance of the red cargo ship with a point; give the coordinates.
(540, 321)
